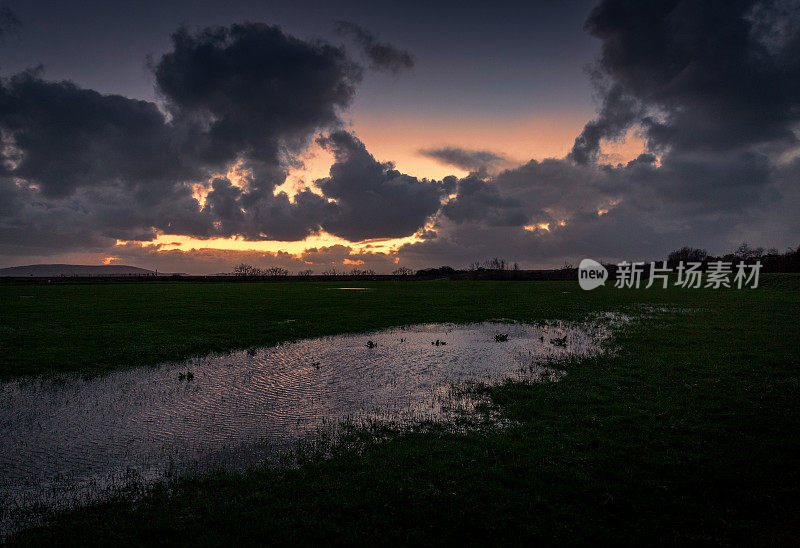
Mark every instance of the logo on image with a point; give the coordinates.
(591, 274)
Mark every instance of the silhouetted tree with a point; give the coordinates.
(745, 252)
(244, 269)
(687, 254)
(490, 264)
(358, 272)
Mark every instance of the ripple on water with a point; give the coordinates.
(68, 439)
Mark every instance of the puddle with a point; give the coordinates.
(351, 288)
(68, 441)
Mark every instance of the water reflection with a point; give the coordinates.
(67, 440)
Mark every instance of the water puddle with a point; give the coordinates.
(350, 288)
(67, 440)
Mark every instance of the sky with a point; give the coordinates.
(192, 136)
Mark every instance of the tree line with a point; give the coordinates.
(772, 260)
(244, 269)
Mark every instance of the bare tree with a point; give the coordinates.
(687, 254)
(403, 271)
(244, 269)
(745, 252)
(490, 264)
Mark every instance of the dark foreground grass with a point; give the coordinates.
(689, 433)
(94, 328)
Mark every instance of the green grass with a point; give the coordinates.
(689, 433)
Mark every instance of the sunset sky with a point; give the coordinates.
(193, 136)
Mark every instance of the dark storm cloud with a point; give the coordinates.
(373, 200)
(714, 89)
(254, 94)
(468, 160)
(66, 137)
(382, 56)
(616, 115)
(616, 212)
(91, 219)
(81, 169)
(264, 215)
(537, 192)
(713, 76)
(250, 90)
(481, 200)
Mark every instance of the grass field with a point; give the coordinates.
(689, 433)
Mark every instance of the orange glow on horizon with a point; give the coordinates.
(399, 139)
(166, 242)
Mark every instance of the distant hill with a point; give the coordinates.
(55, 270)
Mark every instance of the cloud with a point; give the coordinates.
(382, 56)
(713, 89)
(373, 200)
(616, 115)
(546, 212)
(710, 76)
(264, 215)
(80, 169)
(60, 137)
(251, 91)
(212, 261)
(342, 257)
(483, 161)
(479, 200)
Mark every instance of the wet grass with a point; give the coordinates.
(688, 433)
(95, 328)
